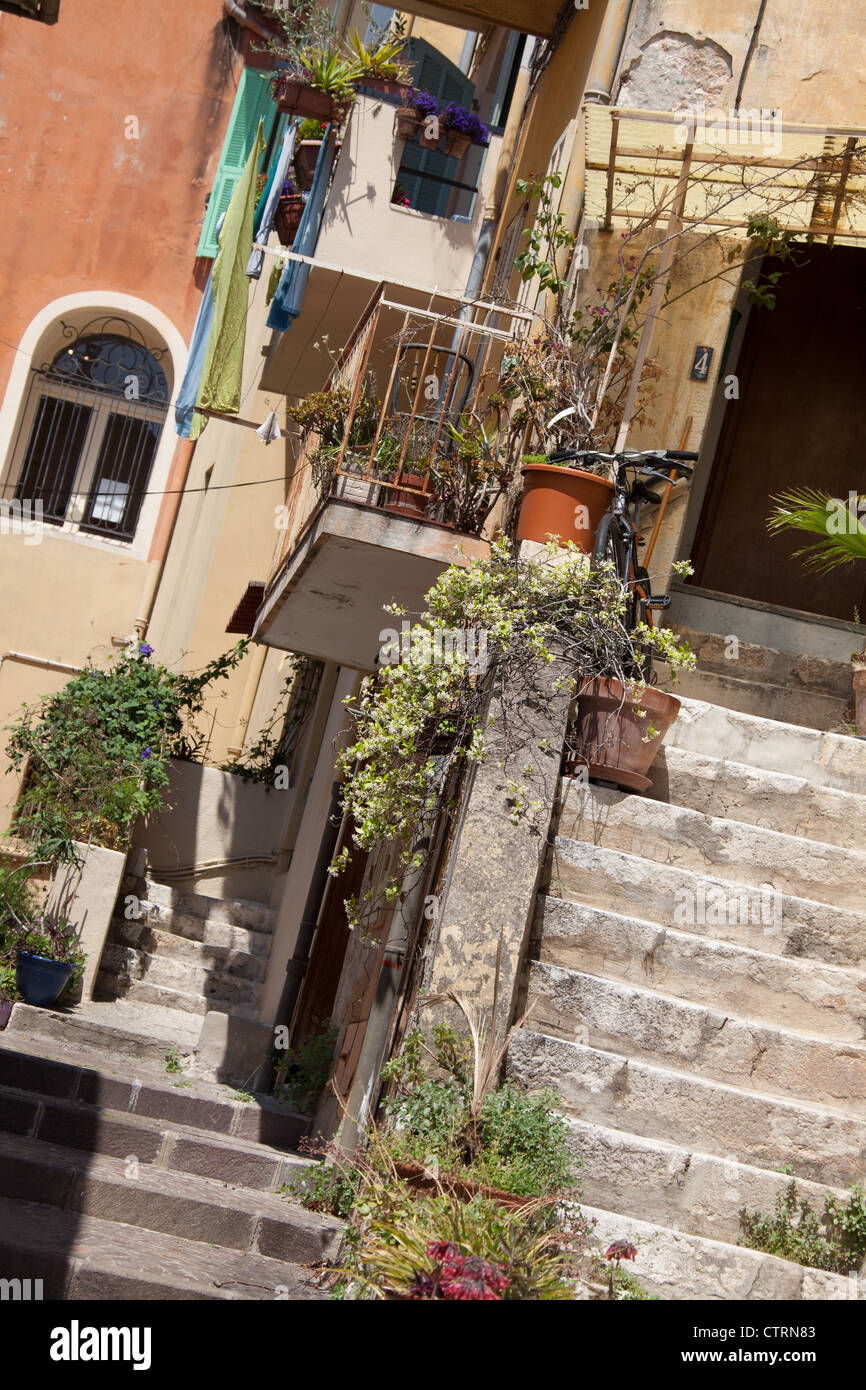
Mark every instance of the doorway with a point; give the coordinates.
(799, 421)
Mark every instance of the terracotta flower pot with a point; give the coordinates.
(609, 738)
(382, 86)
(288, 216)
(407, 121)
(858, 680)
(417, 1178)
(296, 99)
(563, 502)
(456, 143)
(426, 141)
(411, 503)
(305, 158)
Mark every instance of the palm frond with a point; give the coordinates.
(843, 535)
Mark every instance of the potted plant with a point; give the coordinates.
(288, 213)
(48, 959)
(376, 67)
(320, 87)
(562, 502)
(621, 719)
(469, 477)
(462, 128)
(308, 142)
(425, 109)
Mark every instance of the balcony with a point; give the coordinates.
(367, 240)
(380, 506)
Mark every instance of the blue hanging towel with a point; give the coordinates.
(290, 295)
(184, 407)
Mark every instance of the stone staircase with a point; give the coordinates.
(187, 952)
(698, 992)
(117, 1182)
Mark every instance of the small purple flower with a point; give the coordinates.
(425, 104)
(145, 649)
(147, 753)
(156, 704)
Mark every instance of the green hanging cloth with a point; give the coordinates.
(220, 387)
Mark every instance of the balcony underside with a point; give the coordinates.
(527, 16)
(328, 599)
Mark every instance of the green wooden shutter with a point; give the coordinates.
(254, 102)
(436, 74)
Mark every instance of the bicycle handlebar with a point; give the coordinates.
(632, 459)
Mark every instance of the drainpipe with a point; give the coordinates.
(251, 690)
(44, 662)
(164, 533)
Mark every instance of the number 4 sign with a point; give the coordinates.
(701, 363)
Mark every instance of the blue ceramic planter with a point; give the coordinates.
(39, 979)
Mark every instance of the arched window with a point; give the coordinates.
(92, 427)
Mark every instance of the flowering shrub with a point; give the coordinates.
(459, 1276)
(96, 752)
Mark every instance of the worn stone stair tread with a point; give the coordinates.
(633, 885)
(824, 1000)
(171, 945)
(678, 1266)
(82, 1257)
(241, 912)
(826, 759)
(180, 1001)
(91, 1079)
(261, 1145)
(777, 800)
(730, 849)
(755, 662)
(683, 1188)
(652, 1101)
(204, 1209)
(805, 708)
(642, 1022)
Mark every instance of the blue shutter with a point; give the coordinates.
(253, 102)
(436, 74)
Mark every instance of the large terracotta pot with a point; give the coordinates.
(858, 680)
(413, 504)
(563, 502)
(609, 738)
(305, 160)
(416, 1177)
(382, 86)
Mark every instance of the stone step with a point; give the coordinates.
(137, 1033)
(728, 849)
(641, 1023)
(236, 912)
(783, 703)
(775, 800)
(205, 1209)
(140, 936)
(178, 973)
(81, 1257)
(41, 1096)
(747, 661)
(823, 1000)
(683, 1189)
(677, 1266)
(823, 759)
(209, 932)
(709, 906)
(657, 1102)
(146, 1095)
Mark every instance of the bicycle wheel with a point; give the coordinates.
(609, 548)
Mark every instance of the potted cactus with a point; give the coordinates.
(376, 66)
(319, 88)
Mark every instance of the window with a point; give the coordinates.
(428, 175)
(92, 426)
(254, 102)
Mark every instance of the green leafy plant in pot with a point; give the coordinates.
(39, 938)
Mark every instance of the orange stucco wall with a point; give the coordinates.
(82, 205)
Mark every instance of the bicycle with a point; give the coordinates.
(618, 534)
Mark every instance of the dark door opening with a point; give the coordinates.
(800, 421)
